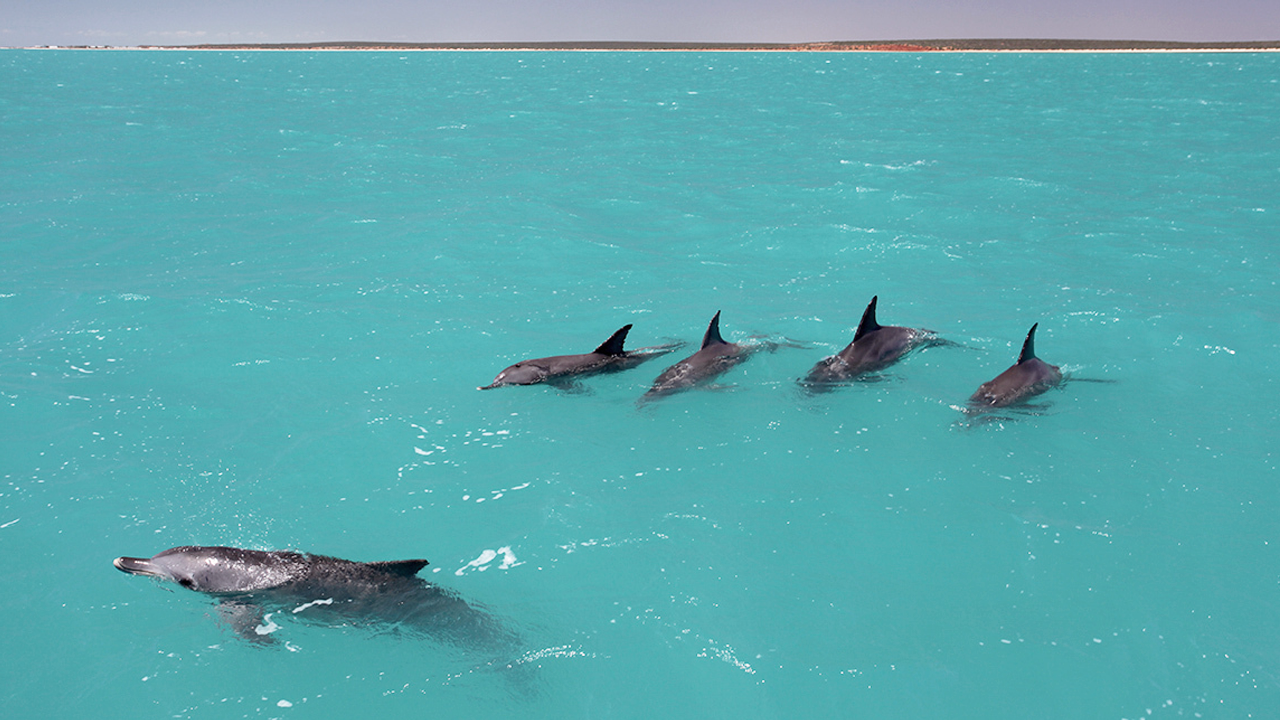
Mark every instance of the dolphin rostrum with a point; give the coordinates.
(609, 357)
(714, 358)
(251, 584)
(874, 347)
(1028, 377)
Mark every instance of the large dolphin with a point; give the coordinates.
(252, 585)
(874, 348)
(715, 357)
(1028, 377)
(609, 357)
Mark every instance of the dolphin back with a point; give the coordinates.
(1028, 377)
(613, 346)
(1029, 346)
(713, 333)
(868, 323)
(403, 568)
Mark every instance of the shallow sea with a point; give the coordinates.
(246, 299)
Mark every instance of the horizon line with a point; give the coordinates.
(923, 45)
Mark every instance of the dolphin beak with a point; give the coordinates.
(135, 566)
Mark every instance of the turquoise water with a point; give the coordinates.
(246, 299)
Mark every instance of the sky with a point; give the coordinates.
(179, 22)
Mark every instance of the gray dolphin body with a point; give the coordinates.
(609, 357)
(1026, 378)
(714, 358)
(874, 347)
(249, 583)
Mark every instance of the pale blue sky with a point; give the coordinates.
(168, 22)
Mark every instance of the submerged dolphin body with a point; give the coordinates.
(1026, 378)
(252, 583)
(715, 357)
(609, 357)
(874, 347)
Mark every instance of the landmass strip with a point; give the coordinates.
(953, 45)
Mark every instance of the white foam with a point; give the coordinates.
(509, 560)
(313, 603)
(267, 627)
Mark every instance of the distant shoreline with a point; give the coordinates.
(955, 45)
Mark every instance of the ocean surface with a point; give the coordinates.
(246, 299)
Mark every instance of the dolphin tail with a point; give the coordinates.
(713, 333)
(1029, 346)
(868, 323)
(613, 346)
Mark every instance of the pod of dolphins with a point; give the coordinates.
(874, 348)
(249, 583)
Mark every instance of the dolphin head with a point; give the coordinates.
(215, 569)
(524, 372)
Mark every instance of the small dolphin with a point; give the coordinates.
(1028, 377)
(609, 357)
(249, 583)
(714, 358)
(874, 347)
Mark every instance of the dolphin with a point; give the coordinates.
(250, 584)
(874, 347)
(1028, 377)
(715, 357)
(609, 357)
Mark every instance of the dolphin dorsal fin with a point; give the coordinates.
(406, 568)
(868, 323)
(613, 346)
(713, 333)
(1029, 346)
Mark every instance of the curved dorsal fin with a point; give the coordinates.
(613, 346)
(405, 568)
(868, 323)
(713, 333)
(1029, 346)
